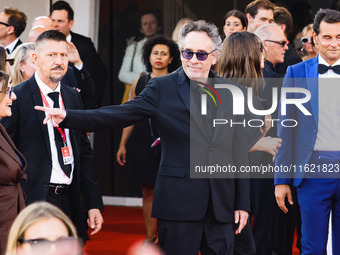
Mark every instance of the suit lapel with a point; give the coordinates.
(183, 87)
(37, 100)
(313, 85)
(8, 147)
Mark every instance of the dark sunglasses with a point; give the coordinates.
(201, 55)
(306, 39)
(281, 43)
(10, 61)
(68, 245)
(5, 24)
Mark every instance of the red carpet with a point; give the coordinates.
(123, 227)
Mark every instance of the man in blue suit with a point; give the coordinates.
(194, 214)
(311, 150)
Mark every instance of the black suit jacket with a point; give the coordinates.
(16, 45)
(30, 136)
(177, 196)
(92, 62)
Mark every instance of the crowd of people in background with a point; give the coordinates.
(62, 71)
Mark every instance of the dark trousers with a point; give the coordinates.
(244, 242)
(189, 237)
(61, 201)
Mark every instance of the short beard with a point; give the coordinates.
(56, 79)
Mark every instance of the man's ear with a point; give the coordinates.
(283, 27)
(315, 38)
(249, 17)
(11, 30)
(70, 24)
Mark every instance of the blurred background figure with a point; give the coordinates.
(235, 21)
(12, 165)
(132, 66)
(182, 22)
(258, 13)
(35, 32)
(23, 67)
(5, 61)
(13, 23)
(140, 248)
(309, 49)
(42, 228)
(284, 20)
(160, 56)
(44, 21)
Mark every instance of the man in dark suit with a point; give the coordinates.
(62, 16)
(60, 161)
(12, 24)
(312, 146)
(195, 210)
(283, 18)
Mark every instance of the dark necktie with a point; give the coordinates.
(8, 52)
(57, 137)
(323, 69)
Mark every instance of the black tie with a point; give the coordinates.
(57, 137)
(8, 52)
(323, 69)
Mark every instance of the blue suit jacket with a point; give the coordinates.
(298, 142)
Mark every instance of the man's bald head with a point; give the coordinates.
(43, 21)
(35, 32)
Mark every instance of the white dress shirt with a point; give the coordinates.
(57, 176)
(328, 136)
(11, 46)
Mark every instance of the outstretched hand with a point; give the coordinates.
(56, 115)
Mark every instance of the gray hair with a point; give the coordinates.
(201, 26)
(265, 32)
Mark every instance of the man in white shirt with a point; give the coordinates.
(311, 149)
(12, 24)
(61, 168)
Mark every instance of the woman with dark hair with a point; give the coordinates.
(160, 56)
(235, 21)
(12, 166)
(245, 68)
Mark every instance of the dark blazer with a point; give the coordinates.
(92, 62)
(178, 197)
(31, 137)
(11, 195)
(16, 45)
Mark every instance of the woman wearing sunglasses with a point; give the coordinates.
(160, 56)
(309, 49)
(42, 228)
(12, 166)
(245, 68)
(5, 61)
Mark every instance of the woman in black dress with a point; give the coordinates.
(160, 56)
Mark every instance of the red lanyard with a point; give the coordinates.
(62, 133)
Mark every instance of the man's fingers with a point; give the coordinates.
(236, 216)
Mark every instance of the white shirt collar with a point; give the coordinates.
(323, 62)
(11, 46)
(43, 87)
(69, 38)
